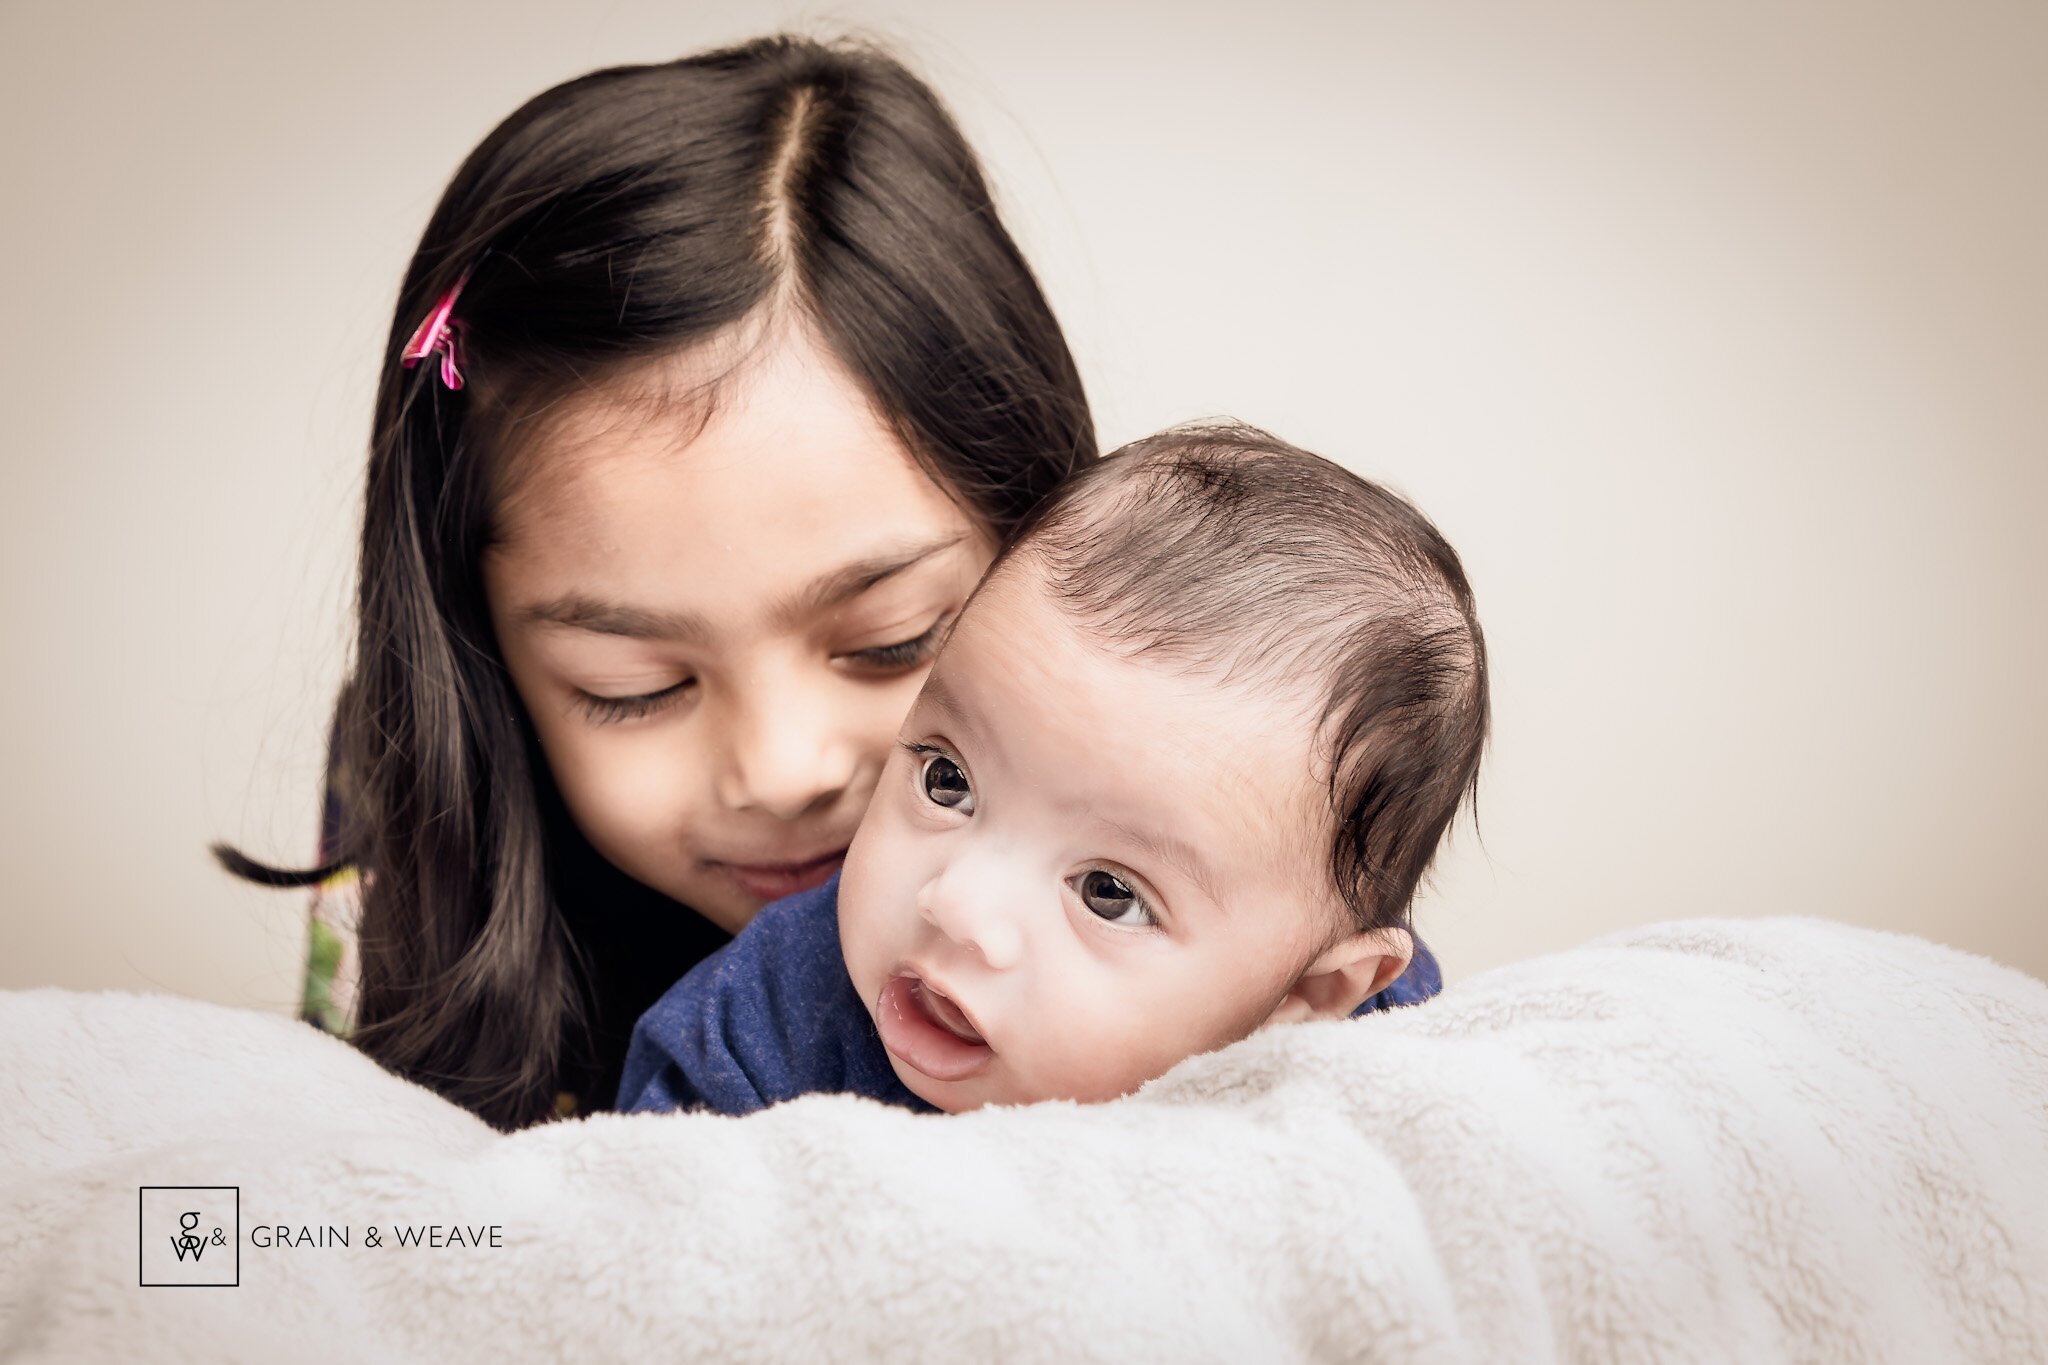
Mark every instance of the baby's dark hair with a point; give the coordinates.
(1222, 549)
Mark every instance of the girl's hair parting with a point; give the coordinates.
(1224, 550)
(616, 218)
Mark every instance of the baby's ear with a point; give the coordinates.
(1347, 974)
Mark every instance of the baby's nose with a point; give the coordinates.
(974, 916)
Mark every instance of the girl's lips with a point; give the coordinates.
(928, 1032)
(773, 881)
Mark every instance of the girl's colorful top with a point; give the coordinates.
(632, 943)
(332, 965)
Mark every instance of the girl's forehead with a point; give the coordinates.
(783, 488)
(724, 449)
(724, 400)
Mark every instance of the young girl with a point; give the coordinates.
(608, 698)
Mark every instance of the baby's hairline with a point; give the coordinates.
(1311, 827)
(1221, 551)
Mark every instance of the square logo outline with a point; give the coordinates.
(141, 1232)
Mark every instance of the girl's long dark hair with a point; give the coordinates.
(623, 215)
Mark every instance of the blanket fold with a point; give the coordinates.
(1711, 1141)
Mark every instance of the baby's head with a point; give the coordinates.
(1174, 776)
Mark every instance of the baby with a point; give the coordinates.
(1173, 778)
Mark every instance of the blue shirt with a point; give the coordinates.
(773, 1015)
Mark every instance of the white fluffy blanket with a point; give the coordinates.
(1712, 1141)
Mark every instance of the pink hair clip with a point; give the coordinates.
(437, 333)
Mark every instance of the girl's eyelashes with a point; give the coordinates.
(943, 781)
(905, 654)
(882, 659)
(1113, 899)
(611, 710)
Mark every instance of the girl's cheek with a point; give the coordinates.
(617, 786)
(650, 782)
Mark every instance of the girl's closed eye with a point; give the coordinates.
(903, 655)
(1113, 900)
(611, 710)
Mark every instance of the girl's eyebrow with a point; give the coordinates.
(849, 581)
(578, 611)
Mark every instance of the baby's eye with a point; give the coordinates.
(945, 785)
(1111, 897)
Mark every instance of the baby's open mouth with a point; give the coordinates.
(926, 1030)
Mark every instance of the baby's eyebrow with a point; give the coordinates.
(1172, 850)
(941, 713)
(939, 696)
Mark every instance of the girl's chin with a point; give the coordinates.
(746, 887)
(766, 882)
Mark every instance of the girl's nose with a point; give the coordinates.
(788, 751)
(977, 907)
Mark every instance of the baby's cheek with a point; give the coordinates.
(1163, 1031)
(864, 936)
(856, 942)
(1088, 1053)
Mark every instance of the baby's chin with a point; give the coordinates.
(997, 1086)
(961, 1097)
(945, 1096)
(932, 1045)
(992, 1083)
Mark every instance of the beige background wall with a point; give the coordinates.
(1716, 336)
